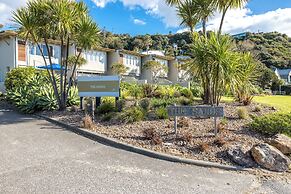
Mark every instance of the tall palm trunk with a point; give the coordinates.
(66, 71)
(222, 19)
(204, 27)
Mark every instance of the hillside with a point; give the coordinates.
(272, 49)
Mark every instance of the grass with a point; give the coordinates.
(283, 103)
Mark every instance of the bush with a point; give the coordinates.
(149, 90)
(106, 107)
(132, 114)
(108, 116)
(157, 102)
(273, 124)
(153, 135)
(184, 101)
(196, 90)
(19, 77)
(145, 104)
(162, 113)
(120, 104)
(88, 122)
(186, 93)
(258, 108)
(30, 90)
(242, 113)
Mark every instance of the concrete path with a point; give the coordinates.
(39, 157)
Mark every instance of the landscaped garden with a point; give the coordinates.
(140, 117)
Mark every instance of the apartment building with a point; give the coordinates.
(14, 52)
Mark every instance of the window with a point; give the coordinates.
(31, 49)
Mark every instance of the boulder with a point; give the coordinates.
(240, 156)
(282, 143)
(270, 157)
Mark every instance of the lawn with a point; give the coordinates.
(283, 103)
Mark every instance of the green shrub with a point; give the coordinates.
(242, 113)
(73, 97)
(273, 124)
(149, 90)
(145, 104)
(157, 102)
(19, 77)
(184, 101)
(108, 116)
(105, 108)
(186, 93)
(120, 104)
(162, 113)
(30, 90)
(132, 114)
(258, 108)
(196, 90)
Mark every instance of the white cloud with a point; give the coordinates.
(6, 8)
(139, 22)
(238, 21)
(156, 8)
(102, 3)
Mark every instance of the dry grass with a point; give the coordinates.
(220, 141)
(183, 122)
(88, 122)
(242, 113)
(153, 135)
(204, 147)
(186, 136)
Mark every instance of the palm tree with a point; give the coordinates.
(215, 63)
(63, 20)
(193, 11)
(187, 12)
(224, 5)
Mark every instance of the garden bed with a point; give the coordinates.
(195, 138)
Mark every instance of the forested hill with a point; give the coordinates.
(272, 49)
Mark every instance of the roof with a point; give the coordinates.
(7, 34)
(132, 53)
(154, 52)
(284, 72)
(169, 58)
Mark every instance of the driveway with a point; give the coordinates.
(39, 157)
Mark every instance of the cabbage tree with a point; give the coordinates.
(64, 21)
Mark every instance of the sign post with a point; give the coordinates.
(197, 112)
(98, 86)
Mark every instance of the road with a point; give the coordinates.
(39, 157)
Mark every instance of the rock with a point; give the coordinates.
(282, 143)
(270, 157)
(240, 156)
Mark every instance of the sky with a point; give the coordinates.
(155, 17)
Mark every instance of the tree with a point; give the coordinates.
(156, 68)
(243, 88)
(224, 5)
(65, 21)
(215, 63)
(187, 12)
(193, 11)
(119, 68)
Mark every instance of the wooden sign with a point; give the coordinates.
(196, 111)
(99, 86)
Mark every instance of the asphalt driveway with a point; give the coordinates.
(39, 157)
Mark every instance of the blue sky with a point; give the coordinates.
(118, 16)
(154, 16)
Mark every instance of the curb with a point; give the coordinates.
(153, 154)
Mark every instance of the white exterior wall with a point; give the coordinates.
(96, 62)
(7, 57)
(35, 59)
(133, 63)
